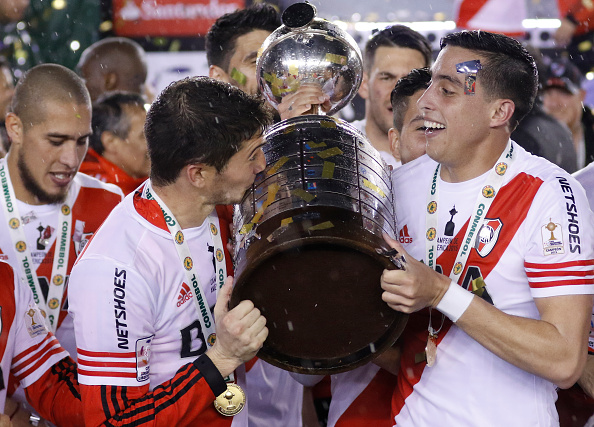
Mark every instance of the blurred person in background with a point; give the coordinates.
(114, 63)
(563, 98)
(117, 147)
(6, 92)
(389, 55)
(542, 134)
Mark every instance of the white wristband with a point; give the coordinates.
(455, 301)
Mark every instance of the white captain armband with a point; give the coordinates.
(455, 301)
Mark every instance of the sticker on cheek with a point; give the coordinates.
(238, 76)
(470, 68)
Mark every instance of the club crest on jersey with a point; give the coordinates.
(143, 356)
(179, 237)
(185, 294)
(211, 339)
(552, 238)
(488, 192)
(431, 234)
(35, 322)
(188, 263)
(487, 236)
(14, 223)
(432, 207)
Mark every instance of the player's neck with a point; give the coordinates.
(473, 165)
(190, 210)
(378, 139)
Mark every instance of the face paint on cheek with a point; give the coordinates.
(238, 76)
(470, 68)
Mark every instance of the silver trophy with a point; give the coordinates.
(307, 49)
(309, 250)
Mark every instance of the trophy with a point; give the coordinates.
(309, 250)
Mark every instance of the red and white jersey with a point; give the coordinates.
(94, 200)
(276, 399)
(536, 241)
(359, 397)
(134, 313)
(27, 348)
(499, 16)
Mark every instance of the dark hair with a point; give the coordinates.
(221, 37)
(508, 69)
(109, 116)
(46, 82)
(399, 36)
(200, 120)
(407, 86)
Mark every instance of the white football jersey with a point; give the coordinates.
(536, 241)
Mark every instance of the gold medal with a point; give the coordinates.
(431, 349)
(231, 401)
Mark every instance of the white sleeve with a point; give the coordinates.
(113, 313)
(560, 240)
(35, 348)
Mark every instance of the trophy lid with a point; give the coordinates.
(306, 49)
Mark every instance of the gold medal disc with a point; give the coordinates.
(231, 401)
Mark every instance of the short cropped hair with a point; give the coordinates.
(397, 36)
(221, 38)
(200, 120)
(109, 116)
(508, 71)
(407, 86)
(46, 82)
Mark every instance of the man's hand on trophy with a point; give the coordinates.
(300, 102)
(416, 287)
(240, 332)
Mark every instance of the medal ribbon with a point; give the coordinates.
(183, 252)
(484, 200)
(23, 253)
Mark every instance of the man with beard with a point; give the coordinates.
(49, 211)
(150, 350)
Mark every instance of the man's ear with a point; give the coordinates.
(217, 73)
(14, 128)
(198, 174)
(109, 142)
(394, 137)
(364, 88)
(110, 81)
(503, 110)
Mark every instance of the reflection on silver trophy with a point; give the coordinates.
(309, 250)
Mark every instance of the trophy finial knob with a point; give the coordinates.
(298, 15)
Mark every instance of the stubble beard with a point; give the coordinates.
(35, 189)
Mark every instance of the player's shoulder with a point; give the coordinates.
(88, 182)
(539, 167)
(414, 173)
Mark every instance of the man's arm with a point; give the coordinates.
(188, 397)
(553, 347)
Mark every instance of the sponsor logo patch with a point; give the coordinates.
(403, 235)
(143, 356)
(185, 294)
(552, 239)
(35, 322)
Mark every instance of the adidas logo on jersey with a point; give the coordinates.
(403, 236)
(184, 295)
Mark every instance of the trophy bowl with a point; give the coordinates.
(306, 49)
